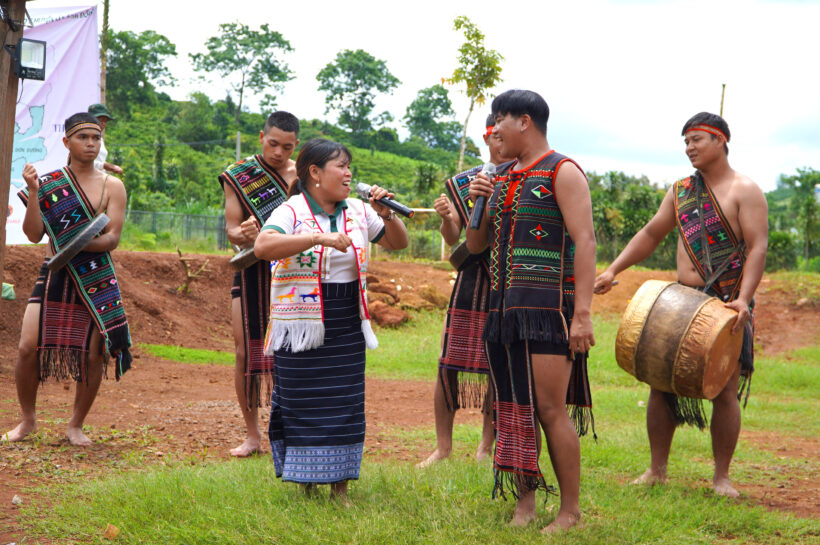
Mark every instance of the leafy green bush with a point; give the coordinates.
(782, 252)
(812, 265)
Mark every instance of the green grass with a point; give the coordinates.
(243, 502)
(409, 352)
(189, 355)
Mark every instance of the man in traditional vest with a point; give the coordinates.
(463, 371)
(538, 224)
(74, 319)
(721, 216)
(253, 188)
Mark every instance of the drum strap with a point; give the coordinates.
(722, 268)
(102, 195)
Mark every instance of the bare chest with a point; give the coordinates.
(96, 192)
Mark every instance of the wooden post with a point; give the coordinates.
(722, 95)
(238, 146)
(8, 105)
(104, 52)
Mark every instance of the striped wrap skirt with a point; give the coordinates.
(317, 409)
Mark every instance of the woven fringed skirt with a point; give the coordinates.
(252, 287)
(317, 409)
(463, 368)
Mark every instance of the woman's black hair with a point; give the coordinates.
(317, 151)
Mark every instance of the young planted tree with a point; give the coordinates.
(136, 64)
(429, 117)
(478, 68)
(351, 82)
(248, 59)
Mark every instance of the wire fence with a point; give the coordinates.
(422, 230)
(178, 226)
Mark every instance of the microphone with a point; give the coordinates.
(481, 202)
(363, 190)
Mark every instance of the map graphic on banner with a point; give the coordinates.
(72, 84)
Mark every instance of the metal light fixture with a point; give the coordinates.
(29, 58)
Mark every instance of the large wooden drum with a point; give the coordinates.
(678, 339)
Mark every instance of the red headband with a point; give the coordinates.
(708, 128)
(489, 130)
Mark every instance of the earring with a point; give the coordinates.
(317, 184)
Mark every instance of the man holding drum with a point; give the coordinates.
(721, 216)
(254, 187)
(74, 320)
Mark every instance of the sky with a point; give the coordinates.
(621, 77)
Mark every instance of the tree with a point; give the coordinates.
(135, 66)
(351, 82)
(428, 115)
(195, 120)
(478, 68)
(246, 57)
(805, 205)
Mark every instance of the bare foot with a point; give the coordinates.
(521, 517)
(483, 452)
(310, 489)
(564, 521)
(437, 456)
(338, 492)
(19, 433)
(77, 438)
(650, 478)
(723, 487)
(248, 448)
(342, 498)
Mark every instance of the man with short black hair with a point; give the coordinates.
(721, 217)
(254, 187)
(74, 320)
(538, 224)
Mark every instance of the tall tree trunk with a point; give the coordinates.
(464, 138)
(104, 52)
(241, 92)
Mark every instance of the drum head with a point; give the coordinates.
(76, 244)
(633, 321)
(724, 353)
(244, 259)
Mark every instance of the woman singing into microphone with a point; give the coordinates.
(319, 325)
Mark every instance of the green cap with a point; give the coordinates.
(99, 110)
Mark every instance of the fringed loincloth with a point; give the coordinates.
(252, 287)
(516, 454)
(65, 328)
(463, 367)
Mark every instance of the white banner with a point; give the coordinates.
(72, 84)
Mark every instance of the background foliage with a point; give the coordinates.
(172, 151)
